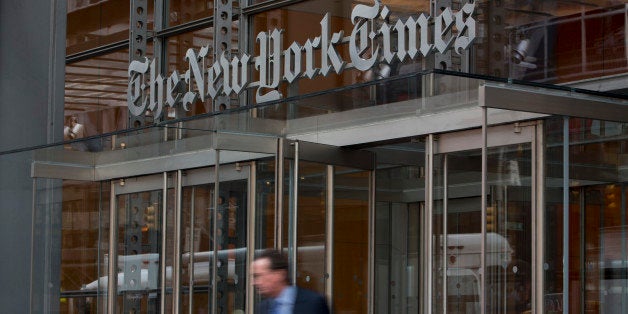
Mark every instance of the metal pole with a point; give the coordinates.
(112, 267)
(484, 201)
(566, 215)
(164, 221)
(250, 292)
(214, 265)
(279, 173)
(295, 210)
(371, 243)
(176, 264)
(329, 245)
(444, 242)
(538, 234)
(429, 201)
(191, 253)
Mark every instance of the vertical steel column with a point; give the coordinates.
(538, 218)
(223, 16)
(214, 265)
(444, 242)
(176, 263)
(295, 212)
(371, 243)
(429, 217)
(164, 225)
(191, 252)
(484, 204)
(279, 173)
(624, 288)
(112, 267)
(565, 214)
(251, 227)
(137, 39)
(329, 241)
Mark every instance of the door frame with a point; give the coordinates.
(294, 151)
(486, 137)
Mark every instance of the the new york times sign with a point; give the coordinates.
(368, 46)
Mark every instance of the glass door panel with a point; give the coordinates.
(400, 199)
(332, 223)
(84, 225)
(311, 226)
(196, 271)
(460, 245)
(509, 229)
(139, 205)
(458, 177)
(230, 235)
(350, 240)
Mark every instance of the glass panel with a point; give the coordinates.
(351, 238)
(508, 230)
(232, 234)
(551, 41)
(265, 204)
(139, 246)
(508, 227)
(438, 232)
(92, 23)
(400, 185)
(311, 231)
(301, 20)
(197, 243)
(95, 97)
(554, 209)
(198, 235)
(597, 220)
(461, 253)
(84, 250)
(183, 11)
(176, 55)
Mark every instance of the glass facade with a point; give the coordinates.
(595, 226)
(417, 185)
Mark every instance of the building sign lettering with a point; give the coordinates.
(368, 45)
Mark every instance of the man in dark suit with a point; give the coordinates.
(270, 277)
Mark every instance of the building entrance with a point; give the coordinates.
(481, 222)
(182, 240)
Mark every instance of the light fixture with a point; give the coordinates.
(122, 182)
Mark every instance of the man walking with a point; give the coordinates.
(270, 277)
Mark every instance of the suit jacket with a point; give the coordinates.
(306, 302)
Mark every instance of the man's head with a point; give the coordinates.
(270, 273)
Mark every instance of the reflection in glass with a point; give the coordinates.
(351, 237)
(457, 185)
(311, 232)
(95, 23)
(95, 92)
(399, 203)
(457, 192)
(177, 49)
(265, 204)
(197, 208)
(597, 217)
(84, 226)
(183, 11)
(139, 250)
(508, 227)
(198, 236)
